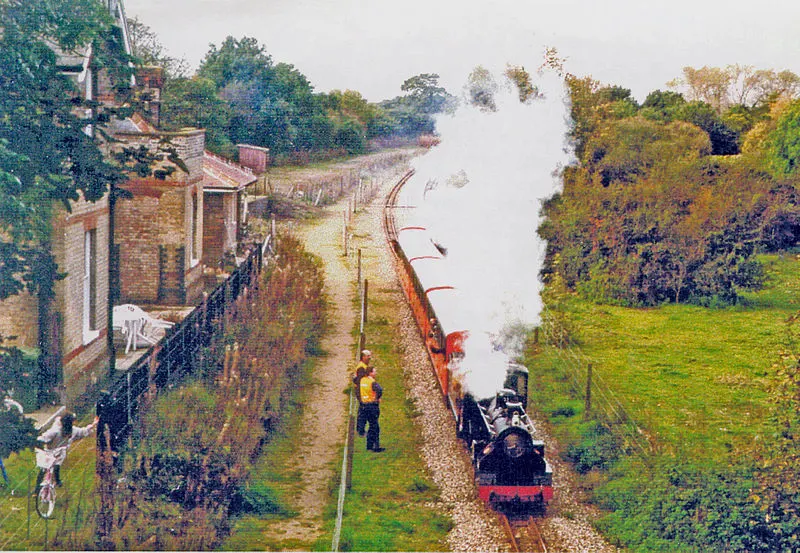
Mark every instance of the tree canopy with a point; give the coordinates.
(46, 155)
(657, 208)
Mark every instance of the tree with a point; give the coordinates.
(194, 102)
(736, 85)
(46, 155)
(425, 93)
(481, 89)
(724, 140)
(783, 144)
(148, 50)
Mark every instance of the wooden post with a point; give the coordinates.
(364, 303)
(351, 442)
(536, 335)
(588, 404)
(359, 272)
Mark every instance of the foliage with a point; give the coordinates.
(597, 448)
(16, 432)
(673, 505)
(783, 144)
(18, 374)
(194, 102)
(657, 209)
(720, 472)
(481, 88)
(777, 492)
(736, 85)
(189, 472)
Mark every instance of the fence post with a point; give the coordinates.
(344, 232)
(364, 304)
(28, 535)
(351, 442)
(128, 397)
(359, 271)
(588, 405)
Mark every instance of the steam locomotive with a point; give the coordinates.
(511, 470)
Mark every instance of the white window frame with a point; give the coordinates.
(89, 284)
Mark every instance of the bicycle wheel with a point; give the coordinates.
(46, 500)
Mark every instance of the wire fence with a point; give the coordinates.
(162, 366)
(586, 383)
(178, 354)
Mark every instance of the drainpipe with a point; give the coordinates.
(113, 281)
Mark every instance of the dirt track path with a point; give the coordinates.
(324, 418)
(324, 415)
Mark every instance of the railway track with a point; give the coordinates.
(524, 533)
(389, 228)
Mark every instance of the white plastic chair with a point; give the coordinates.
(133, 321)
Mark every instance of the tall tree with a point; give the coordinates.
(46, 155)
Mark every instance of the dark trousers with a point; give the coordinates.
(361, 420)
(372, 412)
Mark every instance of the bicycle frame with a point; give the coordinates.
(46, 459)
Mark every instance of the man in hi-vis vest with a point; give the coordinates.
(370, 392)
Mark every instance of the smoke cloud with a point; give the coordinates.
(479, 192)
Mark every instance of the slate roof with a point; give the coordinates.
(223, 175)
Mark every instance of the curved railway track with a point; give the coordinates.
(389, 228)
(522, 531)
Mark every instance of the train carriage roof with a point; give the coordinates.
(416, 243)
(448, 306)
(432, 273)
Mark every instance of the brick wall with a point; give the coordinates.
(254, 157)
(80, 352)
(213, 229)
(156, 232)
(19, 317)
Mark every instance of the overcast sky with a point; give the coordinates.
(372, 46)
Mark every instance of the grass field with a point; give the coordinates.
(694, 379)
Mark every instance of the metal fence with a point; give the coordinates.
(178, 354)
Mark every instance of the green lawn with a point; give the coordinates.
(693, 379)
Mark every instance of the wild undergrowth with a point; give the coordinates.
(188, 473)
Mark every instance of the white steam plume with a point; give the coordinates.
(490, 174)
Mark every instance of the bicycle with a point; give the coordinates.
(46, 459)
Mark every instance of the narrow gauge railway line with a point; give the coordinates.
(524, 534)
(389, 228)
(522, 531)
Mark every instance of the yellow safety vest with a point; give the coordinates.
(367, 393)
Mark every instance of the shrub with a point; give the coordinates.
(598, 448)
(676, 506)
(16, 432)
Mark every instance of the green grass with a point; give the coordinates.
(388, 507)
(75, 503)
(694, 379)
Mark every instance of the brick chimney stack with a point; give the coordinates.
(150, 81)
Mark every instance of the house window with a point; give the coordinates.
(90, 330)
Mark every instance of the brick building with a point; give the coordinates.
(69, 332)
(224, 185)
(158, 231)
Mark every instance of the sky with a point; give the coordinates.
(372, 46)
